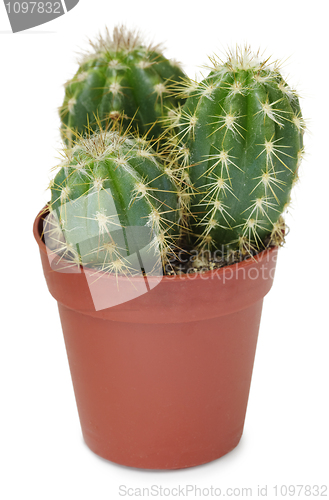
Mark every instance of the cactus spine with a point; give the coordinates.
(243, 132)
(113, 205)
(120, 79)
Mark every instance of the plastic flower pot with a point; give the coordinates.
(162, 379)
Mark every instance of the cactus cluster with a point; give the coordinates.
(230, 153)
(241, 131)
(113, 205)
(121, 78)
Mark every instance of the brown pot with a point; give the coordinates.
(162, 380)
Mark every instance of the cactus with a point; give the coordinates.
(241, 129)
(113, 206)
(120, 79)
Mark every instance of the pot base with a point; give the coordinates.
(170, 465)
(161, 397)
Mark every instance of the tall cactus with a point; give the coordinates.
(242, 131)
(113, 205)
(121, 78)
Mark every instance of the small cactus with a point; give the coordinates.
(241, 131)
(113, 205)
(121, 79)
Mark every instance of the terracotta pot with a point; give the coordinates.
(162, 380)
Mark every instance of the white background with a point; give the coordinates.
(285, 440)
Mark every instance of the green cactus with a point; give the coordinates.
(120, 79)
(242, 131)
(113, 206)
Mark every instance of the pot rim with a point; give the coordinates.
(196, 276)
(159, 299)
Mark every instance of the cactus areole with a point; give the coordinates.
(121, 78)
(243, 131)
